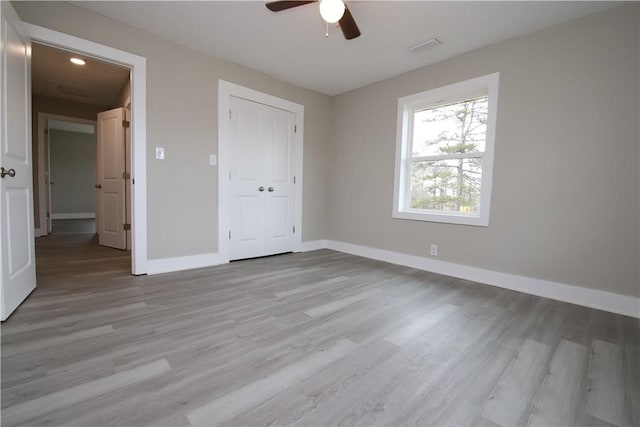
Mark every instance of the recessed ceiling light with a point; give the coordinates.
(78, 61)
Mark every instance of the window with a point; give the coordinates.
(444, 153)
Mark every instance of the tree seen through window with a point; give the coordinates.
(446, 156)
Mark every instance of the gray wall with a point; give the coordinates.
(73, 171)
(182, 118)
(565, 201)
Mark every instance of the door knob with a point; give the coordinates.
(98, 186)
(261, 188)
(271, 189)
(4, 172)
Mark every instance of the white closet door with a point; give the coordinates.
(261, 180)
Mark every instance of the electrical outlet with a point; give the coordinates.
(434, 249)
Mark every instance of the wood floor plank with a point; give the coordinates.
(605, 397)
(632, 382)
(59, 340)
(419, 324)
(66, 319)
(340, 304)
(311, 287)
(563, 387)
(290, 406)
(246, 397)
(510, 401)
(63, 398)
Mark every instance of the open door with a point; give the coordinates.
(110, 212)
(18, 267)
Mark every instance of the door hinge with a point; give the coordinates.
(229, 114)
(46, 131)
(126, 124)
(229, 234)
(294, 229)
(294, 179)
(126, 175)
(126, 227)
(48, 214)
(295, 129)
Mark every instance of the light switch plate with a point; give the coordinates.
(159, 153)
(213, 159)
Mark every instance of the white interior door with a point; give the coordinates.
(111, 179)
(18, 273)
(262, 208)
(127, 168)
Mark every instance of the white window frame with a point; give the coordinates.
(407, 106)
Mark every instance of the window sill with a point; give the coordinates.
(449, 218)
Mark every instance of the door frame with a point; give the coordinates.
(44, 197)
(225, 91)
(138, 66)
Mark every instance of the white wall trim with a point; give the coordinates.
(78, 215)
(593, 298)
(407, 106)
(225, 91)
(168, 265)
(314, 245)
(138, 66)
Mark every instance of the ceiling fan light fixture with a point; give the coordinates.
(332, 10)
(78, 61)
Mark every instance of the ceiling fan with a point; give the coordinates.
(332, 11)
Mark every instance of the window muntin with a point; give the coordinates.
(444, 153)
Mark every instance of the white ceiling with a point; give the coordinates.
(291, 45)
(96, 82)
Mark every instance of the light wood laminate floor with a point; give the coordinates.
(318, 338)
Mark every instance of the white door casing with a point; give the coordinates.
(48, 189)
(138, 66)
(42, 150)
(227, 90)
(17, 268)
(111, 180)
(261, 142)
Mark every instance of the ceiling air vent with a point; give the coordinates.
(432, 42)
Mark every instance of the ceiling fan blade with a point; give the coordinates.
(277, 6)
(348, 25)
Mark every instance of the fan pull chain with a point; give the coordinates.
(326, 34)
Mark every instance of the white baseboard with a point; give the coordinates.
(601, 300)
(80, 215)
(168, 265)
(313, 245)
